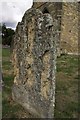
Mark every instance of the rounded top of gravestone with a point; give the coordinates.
(32, 12)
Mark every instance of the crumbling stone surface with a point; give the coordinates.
(55, 10)
(34, 60)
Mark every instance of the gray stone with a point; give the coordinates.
(34, 62)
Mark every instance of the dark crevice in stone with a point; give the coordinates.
(45, 11)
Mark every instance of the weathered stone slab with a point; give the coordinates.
(34, 64)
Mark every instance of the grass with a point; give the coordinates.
(66, 88)
(6, 52)
(10, 108)
(0, 104)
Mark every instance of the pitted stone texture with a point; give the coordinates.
(34, 62)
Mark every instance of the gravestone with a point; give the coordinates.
(34, 61)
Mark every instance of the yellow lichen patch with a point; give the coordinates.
(45, 84)
(45, 90)
(29, 59)
(15, 81)
(31, 34)
(30, 80)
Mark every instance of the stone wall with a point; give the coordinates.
(79, 27)
(34, 61)
(69, 28)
